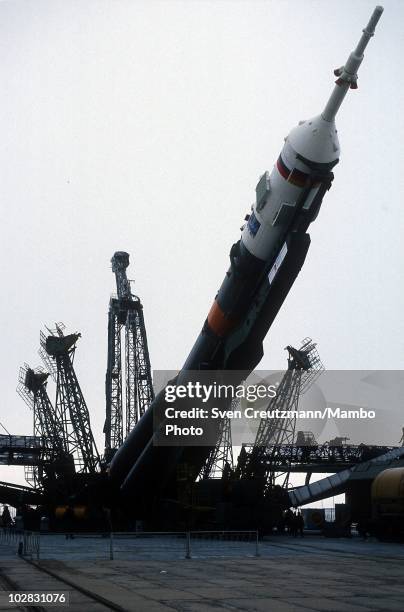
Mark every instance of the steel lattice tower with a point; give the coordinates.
(125, 311)
(304, 366)
(71, 409)
(32, 387)
(220, 461)
(113, 428)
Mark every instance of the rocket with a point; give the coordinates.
(264, 264)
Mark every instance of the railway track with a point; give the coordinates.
(7, 584)
(26, 575)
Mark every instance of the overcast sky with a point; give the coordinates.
(144, 126)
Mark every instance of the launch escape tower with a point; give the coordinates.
(263, 461)
(125, 312)
(57, 351)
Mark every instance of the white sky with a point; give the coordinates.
(144, 126)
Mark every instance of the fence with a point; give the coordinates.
(26, 543)
(190, 544)
(134, 545)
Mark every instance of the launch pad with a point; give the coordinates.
(195, 485)
(311, 573)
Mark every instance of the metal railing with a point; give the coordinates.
(21, 442)
(132, 545)
(25, 543)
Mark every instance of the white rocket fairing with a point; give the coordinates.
(312, 143)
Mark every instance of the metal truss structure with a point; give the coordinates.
(319, 458)
(220, 462)
(32, 388)
(113, 428)
(23, 450)
(304, 366)
(125, 312)
(57, 351)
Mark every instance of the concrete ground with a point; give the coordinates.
(309, 574)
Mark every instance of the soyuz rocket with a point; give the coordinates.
(264, 264)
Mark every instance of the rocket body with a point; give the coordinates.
(287, 200)
(263, 266)
(294, 173)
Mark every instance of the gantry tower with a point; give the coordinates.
(125, 313)
(304, 366)
(57, 351)
(220, 462)
(55, 457)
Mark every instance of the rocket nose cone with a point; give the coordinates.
(316, 140)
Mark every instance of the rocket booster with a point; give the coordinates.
(264, 264)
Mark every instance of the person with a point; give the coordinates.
(294, 525)
(6, 517)
(300, 523)
(288, 519)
